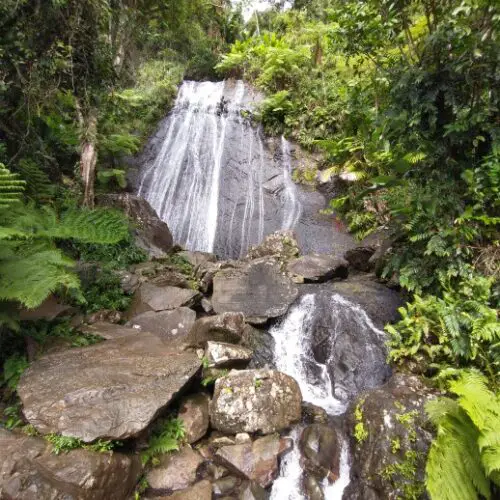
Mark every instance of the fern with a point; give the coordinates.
(11, 187)
(31, 265)
(165, 439)
(38, 184)
(465, 456)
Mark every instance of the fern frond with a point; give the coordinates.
(30, 278)
(11, 187)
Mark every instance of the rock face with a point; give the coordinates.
(257, 461)
(169, 325)
(258, 289)
(262, 401)
(321, 450)
(29, 471)
(152, 234)
(222, 355)
(318, 268)
(390, 440)
(194, 413)
(161, 298)
(111, 390)
(176, 471)
(226, 327)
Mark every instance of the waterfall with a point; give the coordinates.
(294, 354)
(218, 182)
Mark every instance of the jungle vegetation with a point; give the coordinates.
(401, 94)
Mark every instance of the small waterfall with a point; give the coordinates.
(294, 353)
(292, 206)
(219, 183)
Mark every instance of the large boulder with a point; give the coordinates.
(257, 461)
(258, 289)
(175, 471)
(29, 471)
(262, 401)
(226, 327)
(321, 448)
(111, 390)
(150, 297)
(345, 332)
(169, 325)
(390, 435)
(151, 233)
(194, 413)
(222, 355)
(317, 268)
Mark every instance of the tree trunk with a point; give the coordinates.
(88, 155)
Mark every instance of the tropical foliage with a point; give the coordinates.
(403, 97)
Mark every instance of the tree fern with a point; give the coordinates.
(31, 265)
(465, 456)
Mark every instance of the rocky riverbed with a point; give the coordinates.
(237, 350)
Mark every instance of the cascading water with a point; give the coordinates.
(295, 338)
(212, 178)
(220, 184)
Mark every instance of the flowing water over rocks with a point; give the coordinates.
(220, 184)
(334, 351)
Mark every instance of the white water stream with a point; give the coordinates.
(294, 355)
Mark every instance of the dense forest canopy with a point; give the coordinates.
(402, 95)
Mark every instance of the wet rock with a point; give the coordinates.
(258, 289)
(222, 355)
(257, 461)
(111, 390)
(318, 268)
(155, 298)
(262, 401)
(151, 233)
(312, 414)
(313, 487)
(29, 471)
(321, 451)
(344, 337)
(226, 485)
(169, 325)
(359, 258)
(199, 491)
(262, 344)
(226, 327)
(176, 471)
(254, 491)
(194, 413)
(280, 244)
(390, 434)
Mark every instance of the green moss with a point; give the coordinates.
(360, 432)
(402, 475)
(395, 445)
